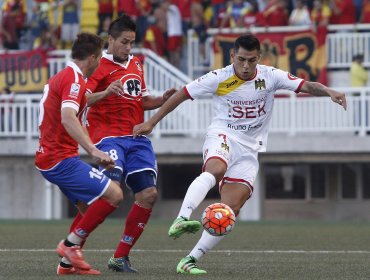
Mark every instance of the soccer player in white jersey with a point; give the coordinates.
(243, 96)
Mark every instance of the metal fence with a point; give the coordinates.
(291, 115)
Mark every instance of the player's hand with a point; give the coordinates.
(142, 129)
(340, 98)
(115, 87)
(168, 93)
(103, 159)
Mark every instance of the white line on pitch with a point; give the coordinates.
(213, 251)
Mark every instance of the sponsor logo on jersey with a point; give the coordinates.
(292, 77)
(75, 89)
(127, 239)
(260, 84)
(231, 84)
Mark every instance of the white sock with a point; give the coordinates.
(196, 193)
(205, 243)
(75, 239)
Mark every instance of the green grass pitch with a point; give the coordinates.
(254, 250)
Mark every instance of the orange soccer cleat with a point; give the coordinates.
(71, 270)
(74, 255)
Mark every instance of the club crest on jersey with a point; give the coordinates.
(75, 89)
(131, 87)
(138, 66)
(260, 84)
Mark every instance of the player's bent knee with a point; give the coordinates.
(114, 194)
(147, 197)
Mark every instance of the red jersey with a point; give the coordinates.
(116, 115)
(64, 90)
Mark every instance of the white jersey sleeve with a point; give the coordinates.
(285, 80)
(207, 84)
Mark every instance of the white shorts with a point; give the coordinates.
(241, 161)
(69, 31)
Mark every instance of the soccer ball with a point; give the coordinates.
(218, 219)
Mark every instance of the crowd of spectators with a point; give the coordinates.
(162, 24)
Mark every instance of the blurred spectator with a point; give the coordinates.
(185, 11)
(104, 31)
(358, 6)
(174, 32)
(138, 11)
(16, 10)
(253, 17)
(343, 12)
(235, 12)
(9, 32)
(46, 42)
(359, 78)
(365, 14)
(38, 23)
(300, 14)
(218, 10)
(320, 14)
(105, 10)
(70, 24)
(275, 13)
(359, 75)
(198, 24)
(154, 38)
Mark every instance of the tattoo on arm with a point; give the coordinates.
(316, 89)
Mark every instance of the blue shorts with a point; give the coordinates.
(132, 155)
(78, 180)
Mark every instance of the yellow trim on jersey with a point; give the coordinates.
(229, 85)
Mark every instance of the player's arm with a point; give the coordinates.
(114, 88)
(154, 102)
(76, 131)
(318, 89)
(147, 127)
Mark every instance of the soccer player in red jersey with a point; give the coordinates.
(57, 158)
(118, 97)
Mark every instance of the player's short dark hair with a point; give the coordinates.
(86, 44)
(123, 23)
(248, 42)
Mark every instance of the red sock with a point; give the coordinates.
(135, 223)
(75, 222)
(94, 215)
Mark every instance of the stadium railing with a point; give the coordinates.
(291, 115)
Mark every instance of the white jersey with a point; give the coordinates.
(242, 109)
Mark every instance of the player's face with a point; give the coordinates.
(245, 62)
(121, 47)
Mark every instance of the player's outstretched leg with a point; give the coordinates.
(182, 225)
(121, 265)
(188, 266)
